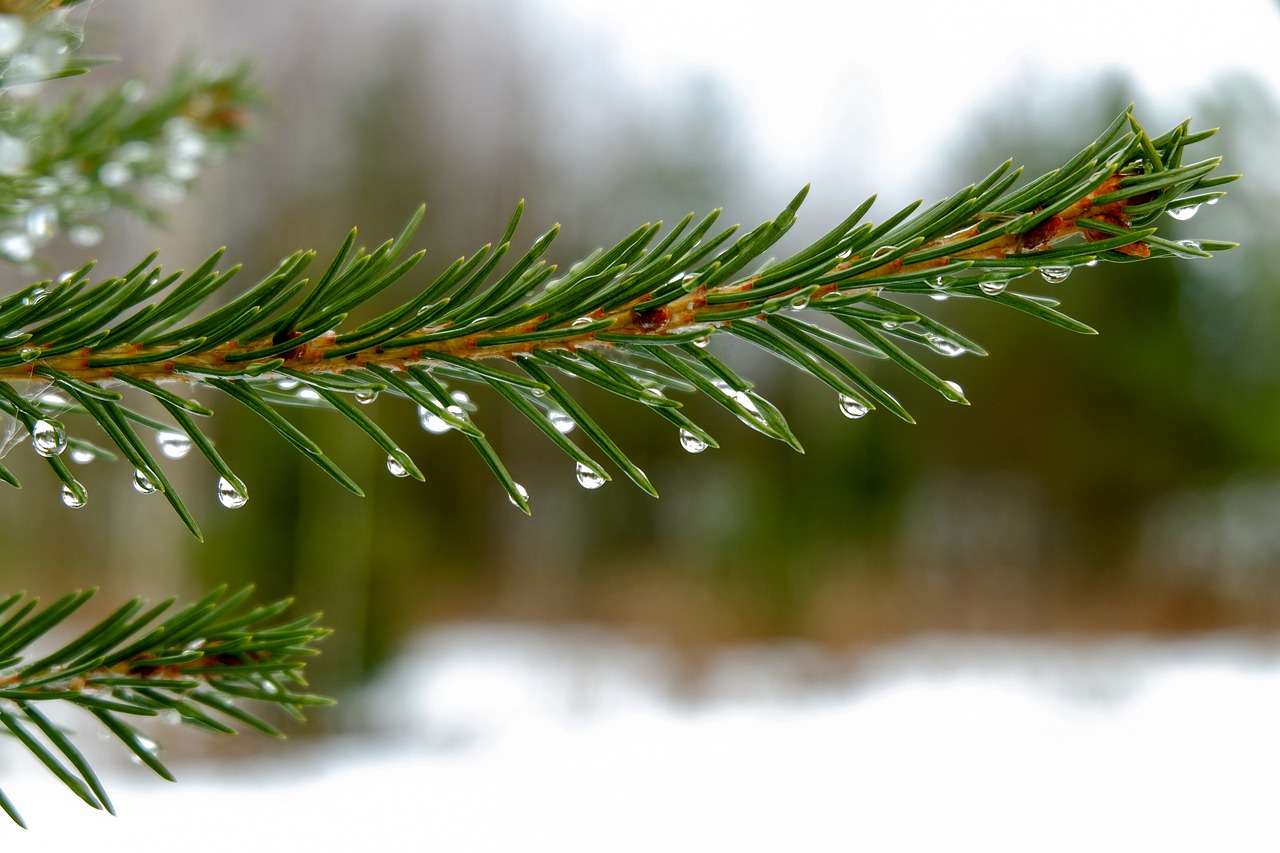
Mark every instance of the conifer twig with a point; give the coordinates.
(633, 319)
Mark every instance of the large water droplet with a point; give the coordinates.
(1182, 214)
(702, 342)
(993, 288)
(954, 386)
(12, 30)
(889, 325)
(462, 398)
(80, 456)
(35, 296)
(286, 384)
(940, 296)
(85, 235)
(366, 396)
(16, 246)
(148, 745)
(588, 477)
(142, 483)
(73, 498)
(1189, 244)
(308, 393)
(42, 223)
(396, 468)
(174, 445)
(524, 493)
(946, 347)
(852, 408)
(561, 421)
(691, 442)
(49, 438)
(800, 303)
(15, 156)
(1055, 275)
(229, 496)
(114, 174)
(432, 422)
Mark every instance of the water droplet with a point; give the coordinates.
(85, 235)
(1055, 275)
(580, 322)
(42, 223)
(852, 408)
(993, 288)
(148, 745)
(432, 422)
(286, 384)
(142, 483)
(745, 400)
(80, 456)
(16, 246)
(588, 477)
(308, 393)
(954, 386)
(74, 498)
(524, 493)
(133, 91)
(229, 496)
(49, 438)
(462, 398)
(939, 296)
(845, 255)
(29, 353)
(539, 392)
(937, 283)
(396, 468)
(15, 156)
(114, 174)
(702, 342)
(1091, 263)
(366, 396)
(689, 282)
(882, 251)
(1189, 244)
(12, 30)
(562, 422)
(888, 325)
(800, 303)
(170, 717)
(946, 347)
(1182, 214)
(174, 445)
(691, 442)
(52, 400)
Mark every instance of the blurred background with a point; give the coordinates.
(1122, 485)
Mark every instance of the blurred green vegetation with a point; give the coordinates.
(1124, 482)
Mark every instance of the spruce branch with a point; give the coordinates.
(633, 319)
(198, 667)
(63, 165)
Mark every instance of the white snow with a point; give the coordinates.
(522, 739)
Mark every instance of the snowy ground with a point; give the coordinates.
(576, 740)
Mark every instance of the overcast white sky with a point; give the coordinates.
(808, 74)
